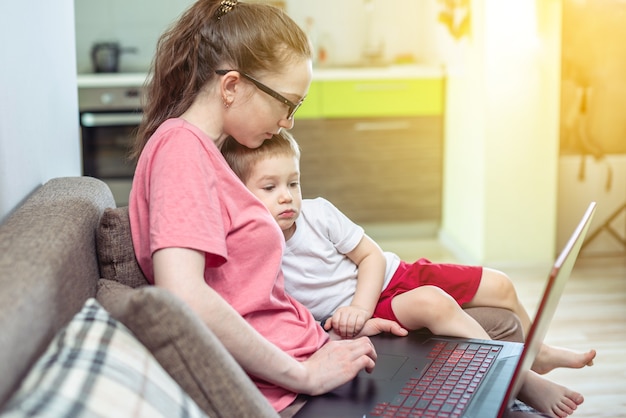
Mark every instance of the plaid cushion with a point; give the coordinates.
(95, 367)
(186, 348)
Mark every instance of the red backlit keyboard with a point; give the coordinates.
(446, 387)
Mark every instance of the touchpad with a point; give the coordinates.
(387, 365)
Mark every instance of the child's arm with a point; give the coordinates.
(348, 321)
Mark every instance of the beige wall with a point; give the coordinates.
(501, 135)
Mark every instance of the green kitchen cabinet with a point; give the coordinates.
(312, 106)
(373, 98)
(376, 98)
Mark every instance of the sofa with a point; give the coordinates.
(82, 334)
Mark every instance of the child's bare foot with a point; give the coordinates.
(548, 397)
(550, 358)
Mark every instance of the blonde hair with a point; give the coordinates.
(249, 37)
(242, 159)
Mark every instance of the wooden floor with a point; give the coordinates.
(591, 314)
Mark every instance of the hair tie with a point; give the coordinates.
(225, 7)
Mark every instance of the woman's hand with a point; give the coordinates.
(336, 363)
(340, 360)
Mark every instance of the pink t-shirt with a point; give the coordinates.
(185, 195)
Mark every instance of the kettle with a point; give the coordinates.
(105, 56)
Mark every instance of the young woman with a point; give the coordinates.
(231, 68)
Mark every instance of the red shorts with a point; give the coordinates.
(459, 281)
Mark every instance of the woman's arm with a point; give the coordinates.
(348, 321)
(181, 270)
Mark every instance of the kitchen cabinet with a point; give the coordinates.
(312, 106)
(374, 147)
(334, 94)
(374, 98)
(376, 170)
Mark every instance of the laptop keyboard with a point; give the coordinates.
(446, 388)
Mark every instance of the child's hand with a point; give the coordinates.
(348, 321)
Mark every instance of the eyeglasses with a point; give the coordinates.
(293, 107)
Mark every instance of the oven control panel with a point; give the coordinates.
(110, 98)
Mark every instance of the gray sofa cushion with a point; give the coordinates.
(115, 249)
(48, 269)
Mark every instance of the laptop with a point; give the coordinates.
(497, 368)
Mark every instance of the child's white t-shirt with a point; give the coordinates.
(317, 272)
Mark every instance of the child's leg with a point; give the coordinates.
(497, 290)
(432, 308)
(549, 397)
(427, 306)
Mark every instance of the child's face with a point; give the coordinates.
(276, 182)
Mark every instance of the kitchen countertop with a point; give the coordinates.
(103, 80)
(374, 73)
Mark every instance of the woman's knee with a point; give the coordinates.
(500, 324)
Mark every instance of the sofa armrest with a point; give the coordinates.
(48, 269)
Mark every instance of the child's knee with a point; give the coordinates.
(435, 298)
(505, 289)
(425, 306)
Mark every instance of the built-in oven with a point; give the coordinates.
(109, 117)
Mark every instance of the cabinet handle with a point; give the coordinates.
(380, 87)
(382, 126)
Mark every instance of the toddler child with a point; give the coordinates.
(343, 277)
